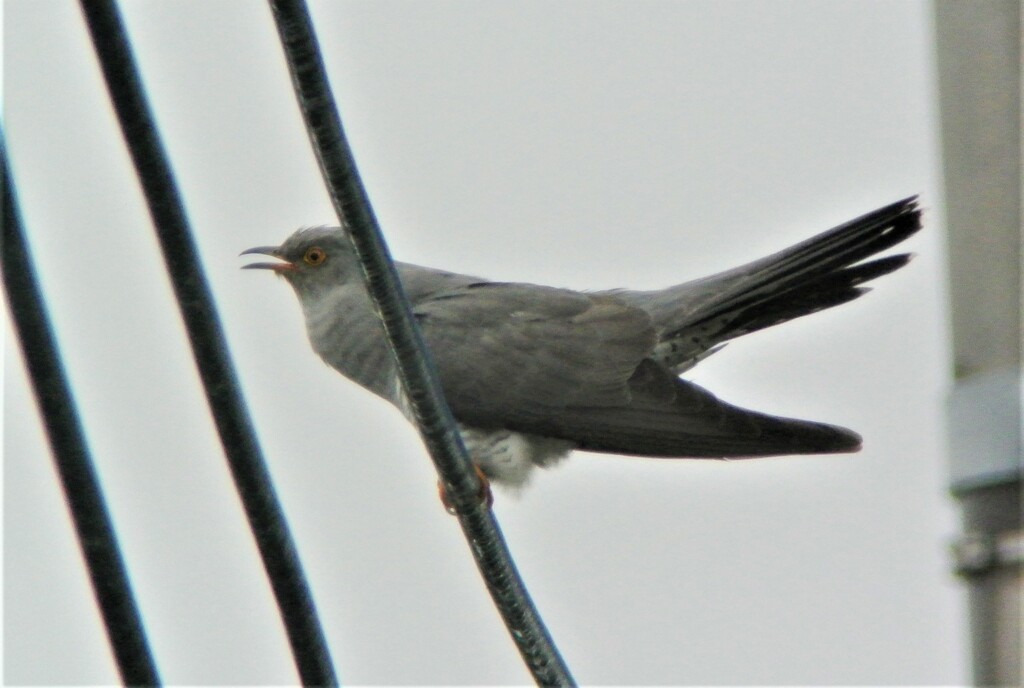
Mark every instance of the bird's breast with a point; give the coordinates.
(346, 333)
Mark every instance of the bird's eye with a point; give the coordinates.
(314, 256)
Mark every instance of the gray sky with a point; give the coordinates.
(582, 145)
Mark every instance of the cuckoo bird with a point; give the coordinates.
(532, 373)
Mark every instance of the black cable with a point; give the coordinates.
(209, 348)
(419, 377)
(71, 455)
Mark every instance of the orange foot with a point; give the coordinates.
(486, 498)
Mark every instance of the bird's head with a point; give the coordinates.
(313, 260)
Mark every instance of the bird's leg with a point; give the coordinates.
(485, 494)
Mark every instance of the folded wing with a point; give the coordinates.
(574, 366)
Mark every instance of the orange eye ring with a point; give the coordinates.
(315, 256)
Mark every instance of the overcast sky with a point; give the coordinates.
(585, 145)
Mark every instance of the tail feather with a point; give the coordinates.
(770, 277)
(821, 272)
(829, 290)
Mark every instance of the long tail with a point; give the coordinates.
(816, 274)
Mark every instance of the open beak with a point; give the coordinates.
(277, 267)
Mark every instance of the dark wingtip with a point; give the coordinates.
(846, 441)
(809, 437)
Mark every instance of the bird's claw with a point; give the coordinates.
(485, 494)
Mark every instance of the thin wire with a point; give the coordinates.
(209, 348)
(71, 455)
(419, 377)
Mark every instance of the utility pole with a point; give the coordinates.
(979, 52)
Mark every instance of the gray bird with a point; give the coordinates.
(532, 372)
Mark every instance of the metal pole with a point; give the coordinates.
(979, 52)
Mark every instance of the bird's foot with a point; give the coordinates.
(485, 494)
